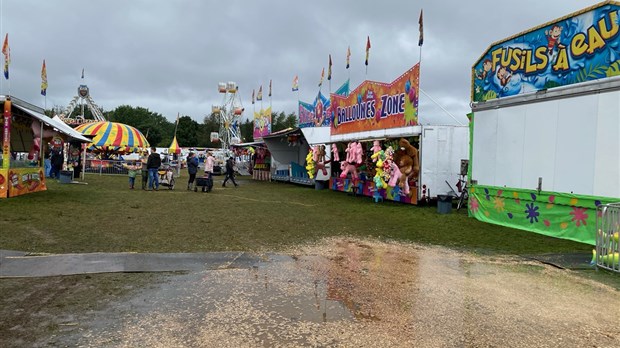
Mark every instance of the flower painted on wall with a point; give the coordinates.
(473, 204)
(579, 216)
(532, 212)
(499, 204)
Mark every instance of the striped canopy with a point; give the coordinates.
(112, 136)
(174, 147)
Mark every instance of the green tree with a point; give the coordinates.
(187, 132)
(282, 121)
(247, 131)
(154, 126)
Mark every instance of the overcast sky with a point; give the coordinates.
(168, 56)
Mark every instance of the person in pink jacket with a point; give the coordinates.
(209, 163)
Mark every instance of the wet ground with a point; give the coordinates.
(354, 293)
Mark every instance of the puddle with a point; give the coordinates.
(350, 293)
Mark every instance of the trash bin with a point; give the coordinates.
(444, 204)
(66, 176)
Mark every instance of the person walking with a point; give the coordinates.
(145, 171)
(230, 172)
(152, 164)
(209, 164)
(57, 159)
(132, 170)
(192, 169)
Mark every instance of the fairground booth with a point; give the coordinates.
(27, 133)
(288, 149)
(253, 159)
(369, 142)
(545, 126)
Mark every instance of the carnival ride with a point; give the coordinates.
(229, 115)
(113, 137)
(82, 99)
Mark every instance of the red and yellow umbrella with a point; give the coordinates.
(174, 147)
(112, 136)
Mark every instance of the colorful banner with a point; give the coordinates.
(315, 114)
(21, 181)
(262, 123)
(4, 183)
(376, 105)
(577, 48)
(6, 134)
(559, 215)
(318, 113)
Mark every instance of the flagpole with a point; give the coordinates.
(177, 125)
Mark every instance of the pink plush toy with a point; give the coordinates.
(350, 152)
(376, 147)
(358, 152)
(335, 155)
(348, 168)
(395, 176)
(315, 153)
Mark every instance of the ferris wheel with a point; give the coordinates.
(229, 114)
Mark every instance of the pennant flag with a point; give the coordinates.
(269, 88)
(329, 69)
(43, 79)
(82, 72)
(367, 50)
(348, 55)
(421, 22)
(322, 77)
(259, 95)
(295, 84)
(253, 95)
(7, 56)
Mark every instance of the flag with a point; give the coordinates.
(269, 88)
(322, 77)
(348, 55)
(421, 22)
(259, 95)
(295, 84)
(253, 95)
(82, 72)
(7, 56)
(367, 50)
(43, 79)
(329, 69)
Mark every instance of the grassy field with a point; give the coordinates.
(105, 216)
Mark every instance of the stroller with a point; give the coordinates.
(166, 176)
(206, 183)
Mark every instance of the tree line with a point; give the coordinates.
(159, 131)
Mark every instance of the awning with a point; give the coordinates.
(57, 124)
(253, 143)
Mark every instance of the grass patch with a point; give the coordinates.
(105, 216)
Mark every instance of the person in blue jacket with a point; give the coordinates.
(192, 169)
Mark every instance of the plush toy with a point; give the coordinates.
(395, 175)
(335, 155)
(406, 157)
(310, 165)
(349, 150)
(346, 168)
(315, 153)
(320, 153)
(358, 152)
(376, 147)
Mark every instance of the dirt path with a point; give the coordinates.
(353, 293)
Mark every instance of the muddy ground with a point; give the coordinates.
(339, 293)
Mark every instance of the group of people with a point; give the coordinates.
(192, 169)
(149, 164)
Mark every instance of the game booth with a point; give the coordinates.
(545, 153)
(255, 157)
(27, 133)
(368, 142)
(288, 149)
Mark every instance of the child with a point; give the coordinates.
(132, 169)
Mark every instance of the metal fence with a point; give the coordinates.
(116, 167)
(607, 237)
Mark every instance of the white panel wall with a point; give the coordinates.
(572, 143)
(607, 163)
(443, 148)
(576, 144)
(541, 133)
(484, 147)
(510, 147)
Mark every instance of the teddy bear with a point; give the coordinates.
(346, 168)
(358, 151)
(406, 158)
(376, 147)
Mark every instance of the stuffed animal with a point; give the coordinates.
(376, 147)
(310, 165)
(350, 153)
(406, 158)
(315, 153)
(358, 151)
(335, 155)
(320, 153)
(346, 168)
(395, 175)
